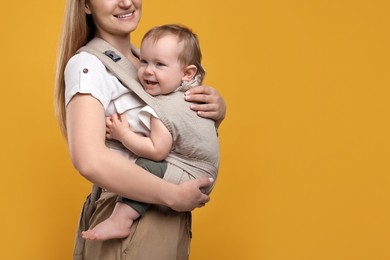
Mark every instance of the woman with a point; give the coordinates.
(85, 94)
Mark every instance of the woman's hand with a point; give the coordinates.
(189, 196)
(208, 103)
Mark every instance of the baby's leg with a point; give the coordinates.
(125, 211)
(116, 226)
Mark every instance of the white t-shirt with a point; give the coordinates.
(86, 74)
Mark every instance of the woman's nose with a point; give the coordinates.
(125, 3)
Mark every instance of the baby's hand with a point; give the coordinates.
(117, 126)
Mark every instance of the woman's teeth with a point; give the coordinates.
(124, 15)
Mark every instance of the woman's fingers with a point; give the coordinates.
(205, 182)
(190, 196)
(207, 102)
(201, 94)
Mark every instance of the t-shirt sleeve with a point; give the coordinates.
(145, 115)
(86, 74)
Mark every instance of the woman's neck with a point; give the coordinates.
(121, 43)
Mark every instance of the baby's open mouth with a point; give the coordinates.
(149, 82)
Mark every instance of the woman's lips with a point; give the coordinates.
(124, 16)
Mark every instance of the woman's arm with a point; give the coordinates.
(207, 103)
(109, 170)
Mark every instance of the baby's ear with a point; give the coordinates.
(189, 72)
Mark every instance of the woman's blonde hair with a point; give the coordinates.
(78, 28)
(190, 54)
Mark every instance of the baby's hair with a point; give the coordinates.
(190, 54)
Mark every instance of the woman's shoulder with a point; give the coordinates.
(85, 73)
(85, 60)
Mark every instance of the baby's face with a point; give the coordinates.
(160, 71)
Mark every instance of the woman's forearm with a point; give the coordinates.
(117, 174)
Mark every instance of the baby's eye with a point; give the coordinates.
(159, 64)
(144, 62)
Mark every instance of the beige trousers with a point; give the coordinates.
(161, 234)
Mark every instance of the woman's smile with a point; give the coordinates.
(125, 15)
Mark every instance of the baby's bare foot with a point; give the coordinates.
(108, 229)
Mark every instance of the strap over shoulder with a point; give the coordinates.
(118, 65)
(124, 70)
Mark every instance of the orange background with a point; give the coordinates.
(305, 146)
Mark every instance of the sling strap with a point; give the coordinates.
(124, 70)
